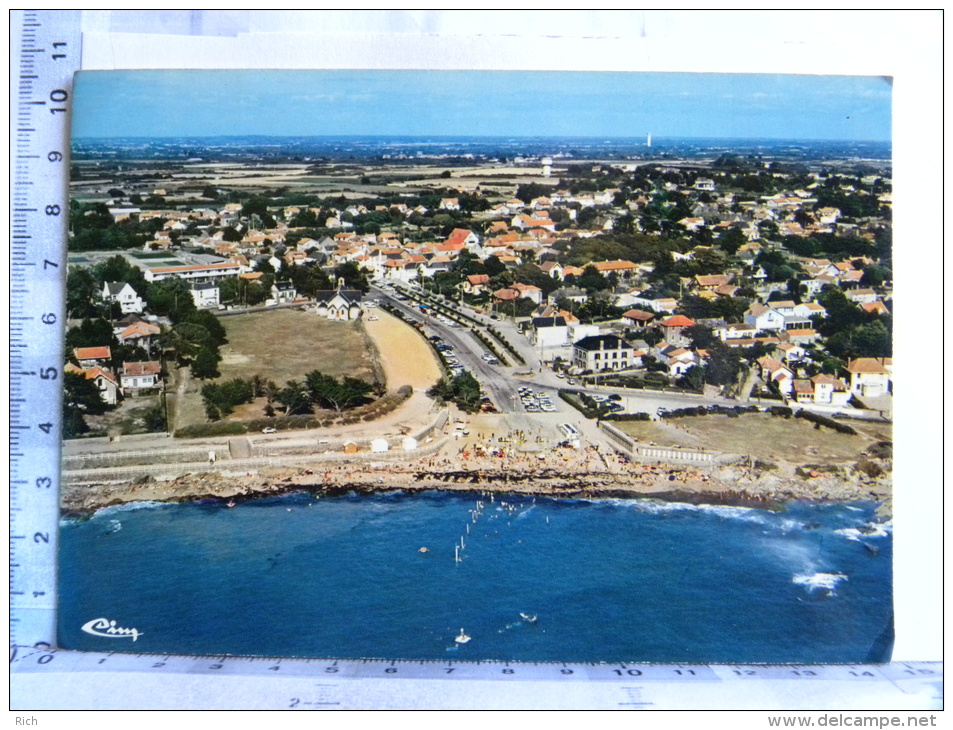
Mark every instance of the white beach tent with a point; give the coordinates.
(409, 443)
(379, 445)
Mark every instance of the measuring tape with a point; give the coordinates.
(47, 53)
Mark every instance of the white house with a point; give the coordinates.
(602, 352)
(870, 376)
(205, 294)
(550, 332)
(139, 375)
(340, 304)
(283, 292)
(104, 380)
(120, 291)
(764, 317)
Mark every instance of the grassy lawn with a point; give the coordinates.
(285, 344)
(758, 434)
(280, 345)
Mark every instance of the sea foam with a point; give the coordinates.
(819, 581)
(127, 507)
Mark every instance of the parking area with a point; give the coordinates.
(536, 401)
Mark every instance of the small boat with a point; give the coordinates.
(462, 638)
(231, 503)
(527, 618)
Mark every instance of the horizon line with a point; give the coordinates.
(478, 136)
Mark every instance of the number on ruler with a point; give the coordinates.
(57, 56)
(54, 156)
(44, 483)
(39, 537)
(58, 95)
(49, 373)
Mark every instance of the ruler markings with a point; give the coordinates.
(34, 186)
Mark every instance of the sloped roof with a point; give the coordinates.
(92, 353)
(141, 368)
(678, 320)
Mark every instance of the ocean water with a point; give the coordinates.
(606, 580)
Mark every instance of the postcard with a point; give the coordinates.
(518, 366)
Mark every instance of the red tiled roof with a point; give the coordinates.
(141, 368)
(869, 365)
(92, 353)
(679, 320)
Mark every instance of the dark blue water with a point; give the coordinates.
(615, 580)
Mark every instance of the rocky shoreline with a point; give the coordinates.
(728, 485)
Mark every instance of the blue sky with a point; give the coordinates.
(210, 103)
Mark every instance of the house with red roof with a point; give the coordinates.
(88, 357)
(775, 371)
(672, 328)
(822, 389)
(475, 283)
(637, 318)
(870, 376)
(140, 375)
(105, 381)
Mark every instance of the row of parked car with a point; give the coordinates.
(449, 355)
(612, 401)
(535, 402)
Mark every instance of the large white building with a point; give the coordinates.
(602, 352)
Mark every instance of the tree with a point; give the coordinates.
(327, 392)
(295, 397)
(211, 324)
(185, 340)
(81, 397)
(91, 333)
(592, 280)
(462, 389)
(82, 293)
(353, 275)
(205, 363)
(694, 378)
(231, 235)
(731, 240)
(170, 298)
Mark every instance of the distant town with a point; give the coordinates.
(619, 282)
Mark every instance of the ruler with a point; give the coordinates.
(74, 680)
(46, 52)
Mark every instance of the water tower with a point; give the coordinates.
(547, 166)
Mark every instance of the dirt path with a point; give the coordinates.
(405, 357)
(406, 360)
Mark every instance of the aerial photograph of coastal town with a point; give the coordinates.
(540, 367)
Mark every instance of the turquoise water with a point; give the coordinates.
(607, 580)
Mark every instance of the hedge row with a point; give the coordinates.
(819, 420)
(571, 397)
(490, 346)
(503, 341)
(641, 416)
(730, 411)
(370, 412)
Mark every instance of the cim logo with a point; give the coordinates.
(108, 629)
